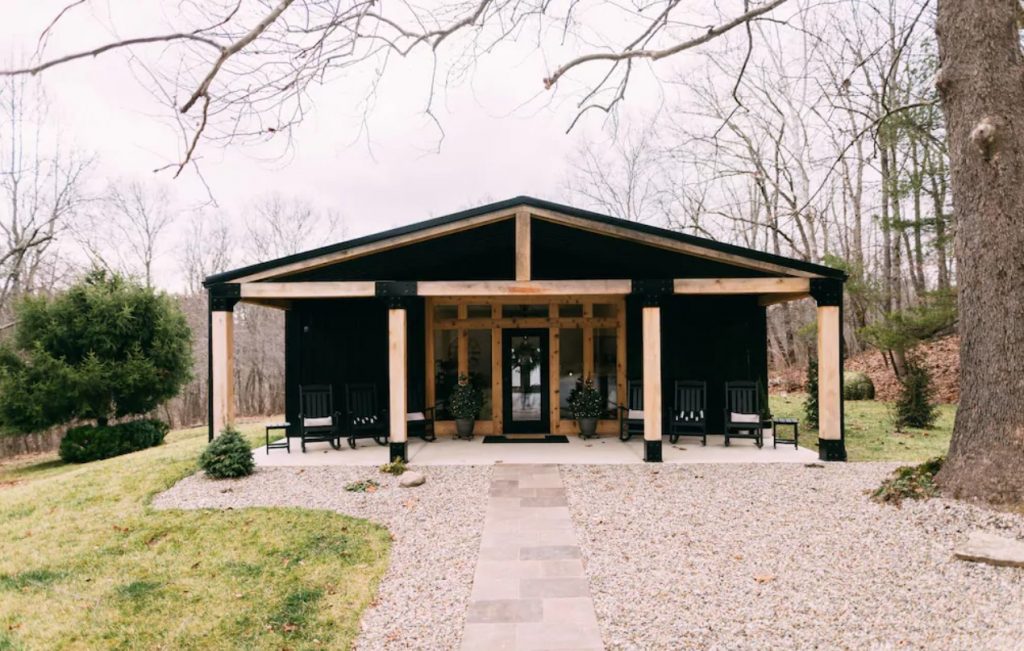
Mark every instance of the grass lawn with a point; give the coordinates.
(86, 563)
(870, 433)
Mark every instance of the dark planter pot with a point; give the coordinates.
(464, 427)
(588, 427)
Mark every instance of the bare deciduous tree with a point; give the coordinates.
(41, 188)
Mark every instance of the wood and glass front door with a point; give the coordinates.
(525, 391)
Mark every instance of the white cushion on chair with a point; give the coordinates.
(415, 416)
(635, 414)
(326, 421)
(736, 417)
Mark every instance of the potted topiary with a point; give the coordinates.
(464, 404)
(587, 406)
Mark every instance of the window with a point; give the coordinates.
(480, 368)
(570, 366)
(570, 310)
(446, 366)
(605, 310)
(524, 311)
(605, 372)
(478, 311)
(445, 312)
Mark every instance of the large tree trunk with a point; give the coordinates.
(981, 82)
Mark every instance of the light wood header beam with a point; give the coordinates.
(516, 288)
(340, 289)
(719, 286)
(522, 246)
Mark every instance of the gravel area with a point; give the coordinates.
(785, 556)
(436, 528)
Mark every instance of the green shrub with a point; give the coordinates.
(910, 482)
(227, 456)
(915, 406)
(93, 442)
(811, 387)
(396, 467)
(858, 386)
(465, 400)
(586, 401)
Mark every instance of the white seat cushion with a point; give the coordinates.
(415, 416)
(326, 421)
(635, 414)
(736, 417)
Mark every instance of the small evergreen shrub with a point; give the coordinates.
(915, 405)
(465, 400)
(910, 482)
(396, 467)
(811, 387)
(94, 442)
(586, 401)
(227, 456)
(364, 486)
(858, 386)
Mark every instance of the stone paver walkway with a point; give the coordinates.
(529, 590)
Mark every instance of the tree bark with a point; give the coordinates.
(981, 83)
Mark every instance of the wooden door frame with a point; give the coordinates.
(554, 323)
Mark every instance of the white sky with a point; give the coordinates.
(490, 151)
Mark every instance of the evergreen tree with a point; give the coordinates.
(106, 348)
(915, 406)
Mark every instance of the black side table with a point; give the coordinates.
(786, 422)
(285, 444)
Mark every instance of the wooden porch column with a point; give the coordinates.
(221, 351)
(397, 376)
(829, 295)
(652, 383)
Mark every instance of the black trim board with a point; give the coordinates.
(541, 204)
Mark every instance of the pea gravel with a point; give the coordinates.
(436, 528)
(785, 556)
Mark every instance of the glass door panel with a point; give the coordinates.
(525, 369)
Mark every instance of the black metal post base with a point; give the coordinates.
(398, 451)
(831, 450)
(652, 451)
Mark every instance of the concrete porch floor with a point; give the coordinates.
(607, 449)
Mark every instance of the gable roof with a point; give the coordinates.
(580, 216)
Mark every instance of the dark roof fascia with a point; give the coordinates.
(693, 240)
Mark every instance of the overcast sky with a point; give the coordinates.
(504, 135)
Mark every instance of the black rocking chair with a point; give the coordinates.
(364, 419)
(689, 411)
(318, 421)
(419, 419)
(631, 414)
(743, 412)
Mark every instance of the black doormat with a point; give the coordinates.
(550, 438)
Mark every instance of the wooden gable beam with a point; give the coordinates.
(720, 286)
(379, 246)
(613, 230)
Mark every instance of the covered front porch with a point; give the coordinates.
(526, 299)
(447, 451)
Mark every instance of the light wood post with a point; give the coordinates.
(829, 295)
(830, 374)
(523, 245)
(222, 369)
(397, 379)
(652, 383)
